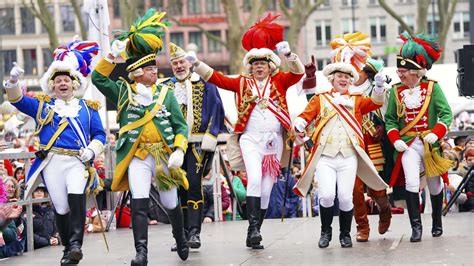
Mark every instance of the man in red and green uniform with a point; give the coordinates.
(418, 116)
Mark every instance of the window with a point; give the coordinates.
(7, 21)
(405, 1)
(323, 32)
(288, 3)
(349, 2)
(51, 12)
(246, 6)
(157, 4)
(177, 38)
(214, 46)
(175, 7)
(429, 27)
(349, 26)
(30, 61)
(9, 56)
(196, 38)
(373, 2)
(116, 8)
(461, 25)
(27, 21)
(213, 6)
(47, 58)
(68, 18)
(321, 63)
(409, 20)
(271, 5)
(194, 7)
(378, 29)
(325, 4)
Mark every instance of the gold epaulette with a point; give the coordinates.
(43, 97)
(95, 105)
(162, 80)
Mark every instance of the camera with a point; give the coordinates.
(41, 154)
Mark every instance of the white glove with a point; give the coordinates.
(191, 57)
(299, 124)
(118, 47)
(86, 155)
(400, 145)
(283, 48)
(379, 83)
(176, 159)
(430, 138)
(16, 72)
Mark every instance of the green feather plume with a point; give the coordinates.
(145, 34)
(423, 49)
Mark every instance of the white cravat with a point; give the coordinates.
(412, 97)
(342, 100)
(144, 95)
(67, 109)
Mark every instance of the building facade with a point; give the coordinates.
(341, 16)
(24, 40)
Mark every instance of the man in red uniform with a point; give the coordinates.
(263, 115)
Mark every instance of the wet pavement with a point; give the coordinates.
(293, 242)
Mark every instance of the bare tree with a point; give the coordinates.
(297, 15)
(237, 26)
(77, 12)
(445, 10)
(40, 10)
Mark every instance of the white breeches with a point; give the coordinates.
(140, 177)
(332, 171)
(413, 164)
(64, 175)
(253, 151)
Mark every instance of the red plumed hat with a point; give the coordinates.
(263, 34)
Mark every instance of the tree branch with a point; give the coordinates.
(77, 12)
(392, 13)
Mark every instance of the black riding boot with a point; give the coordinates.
(62, 222)
(413, 206)
(326, 215)
(176, 219)
(253, 214)
(345, 220)
(184, 210)
(437, 205)
(140, 209)
(77, 206)
(195, 222)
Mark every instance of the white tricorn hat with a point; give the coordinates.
(340, 67)
(261, 54)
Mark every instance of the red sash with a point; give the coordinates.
(348, 117)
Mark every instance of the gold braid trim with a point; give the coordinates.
(400, 105)
(39, 120)
(129, 91)
(43, 97)
(195, 203)
(176, 177)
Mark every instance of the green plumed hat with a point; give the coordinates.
(145, 39)
(418, 51)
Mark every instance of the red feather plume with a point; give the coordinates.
(263, 34)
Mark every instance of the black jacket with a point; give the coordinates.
(44, 225)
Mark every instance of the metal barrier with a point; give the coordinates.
(27, 202)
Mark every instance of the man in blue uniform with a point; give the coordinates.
(202, 108)
(71, 135)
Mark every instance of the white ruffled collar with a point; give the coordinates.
(66, 109)
(412, 97)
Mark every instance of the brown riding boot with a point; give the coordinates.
(385, 210)
(360, 212)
